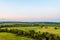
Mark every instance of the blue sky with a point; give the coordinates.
(30, 10)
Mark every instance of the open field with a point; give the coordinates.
(8, 31)
(49, 29)
(10, 36)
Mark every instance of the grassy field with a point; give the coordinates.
(49, 29)
(23, 28)
(10, 36)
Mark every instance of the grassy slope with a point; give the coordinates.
(23, 28)
(49, 29)
(10, 36)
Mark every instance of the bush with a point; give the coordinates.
(55, 28)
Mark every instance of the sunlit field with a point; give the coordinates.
(49, 29)
(25, 31)
(10, 36)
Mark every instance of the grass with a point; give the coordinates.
(10, 36)
(49, 29)
(23, 28)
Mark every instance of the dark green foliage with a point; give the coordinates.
(29, 24)
(55, 28)
(33, 34)
(35, 24)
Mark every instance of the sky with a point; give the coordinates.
(30, 10)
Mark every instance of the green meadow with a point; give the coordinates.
(10, 36)
(51, 28)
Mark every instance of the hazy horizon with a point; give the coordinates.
(30, 10)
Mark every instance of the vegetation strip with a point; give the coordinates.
(32, 34)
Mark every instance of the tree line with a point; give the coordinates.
(19, 25)
(32, 34)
